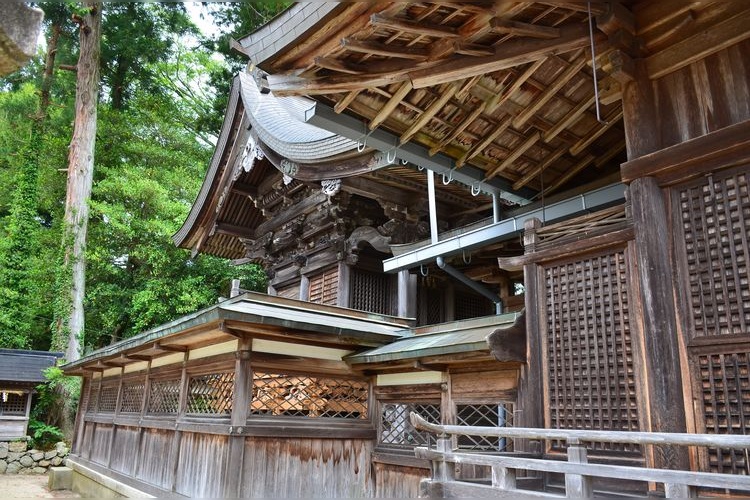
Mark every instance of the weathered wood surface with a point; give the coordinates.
(124, 450)
(155, 460)
(324, 468)
(202, 465)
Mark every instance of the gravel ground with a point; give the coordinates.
(29, 486)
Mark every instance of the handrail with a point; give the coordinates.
(626, 437)
(578, 472)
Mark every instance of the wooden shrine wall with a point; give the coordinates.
(711, 218)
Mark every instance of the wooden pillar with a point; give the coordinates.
(531, 386)
(243, 391)
(659, 335)
(96, 410)
(640, 116)
(141, 430)
(304, 287)
(118, 404)
(342, 297)
(407, 294)
(174, 452)
(80, 423)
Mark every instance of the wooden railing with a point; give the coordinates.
(577, 471)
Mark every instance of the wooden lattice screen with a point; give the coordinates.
(590, 377)
(13, 403)
(372, 292)
(712, 251)
(324, 287)
(470, 305)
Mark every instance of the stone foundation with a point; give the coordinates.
(15, 458)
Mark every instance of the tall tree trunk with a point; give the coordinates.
(70, 323)
(49, 66)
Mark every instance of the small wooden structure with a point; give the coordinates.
(20, 373)
(438, 162)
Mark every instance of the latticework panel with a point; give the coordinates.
(716, 224)
(132, 396)
(13, 403)
(107, 399)
(372, 292)
(211, 394)
(305, 396)
(396, 429)
(93, 397)
(725, 384)
(164, 397)
(485, 415)
(324, 287)
(430, 303)
(471, 305)
(590, 361)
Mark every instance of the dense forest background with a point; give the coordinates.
(163, 90)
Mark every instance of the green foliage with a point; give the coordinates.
(152, 154)
(59, 393)
(44, 436)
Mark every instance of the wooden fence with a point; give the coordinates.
(577, 471)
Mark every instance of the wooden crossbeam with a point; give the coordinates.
(285, 85)
(430, 112)
(477, 148)
(583, 163)
(534, 172)
(569, 119)
(699, 46)
(528, 143)
(460, 128)
(507, 55)
(233, 230)
(542, 99)
(346, 101)
(245, 189)
(390, 105)
(612, 119)
(509, 27)
(515, 86)
(374, 48)
(473, 49)
(407, 26)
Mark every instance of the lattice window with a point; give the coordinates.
(372, 292)
(107, 399)
(471, 305)
(324, 287)
(93, 397)
(725, 383)
(716, 223)
(396, 429)
(211, 394)
(590, 378)
(305, 396)
(132, 396)
(13, 403)
(485, 415)
(430, 303)
(164, 397)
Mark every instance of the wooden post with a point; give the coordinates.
(118, 404)
(663, 374)
(91, 438)
(641, 119)
(342, 297)
(503, 478)
(444, 472)
(304, 287)
(577, 486)
(530, 386)
(243, 392)
(407, 294)
(174, 452)
(80, 422)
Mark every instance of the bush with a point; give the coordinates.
(43, 436)
(56, 401)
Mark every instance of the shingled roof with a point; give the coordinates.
(25, 366)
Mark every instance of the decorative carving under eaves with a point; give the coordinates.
(368, 234)
(401, 231)
(289, 168)
(287, 234)
(257, 249)
(330, 187)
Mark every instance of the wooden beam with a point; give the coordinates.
(569, 119)
(245, 189)
(534, 172)
(540, 100)
(473, 49)
(500, 99)
(158, 346)
(618, 17)
(621, 67)
(344, 103)
(430, 112)
(380, 49)
(699, 46)
(612, 119)
(339, 65)
(477, 148)
(419, 28)
(233, 230)
(389, 106)
(509, 27)
(460, 128)
(507, 55)
(530, 141)
(285, 85)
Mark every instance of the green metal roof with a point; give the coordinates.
(364, 328)
(447, 338)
